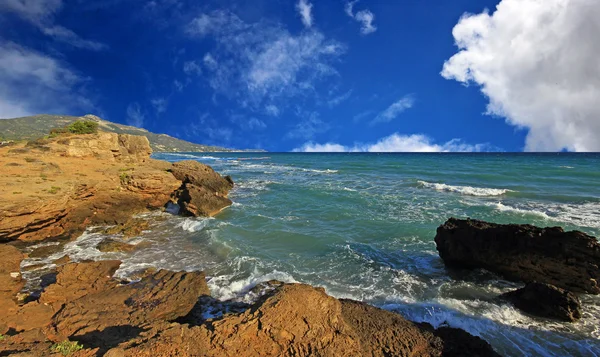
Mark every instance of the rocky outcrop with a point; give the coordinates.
(58, 187)
(141, 319)
(569, 260)
(162, 296)
(203, 191)
(547, 301)
(299, 320)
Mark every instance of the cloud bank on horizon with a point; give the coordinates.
(312, 76)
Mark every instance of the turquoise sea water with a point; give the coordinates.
(362, 226)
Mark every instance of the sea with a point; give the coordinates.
(362, 225)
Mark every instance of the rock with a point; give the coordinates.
(569, 260)
(163, 296)
(299, 320)
(75, 280)
(110, 246)
(196, 173)
(62, 260)
(46, 251)
(203, 192)
(547, 301)
(131, 228)
(197, 201)
(10, 277)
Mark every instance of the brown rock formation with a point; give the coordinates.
(547, 301)
(299, 320)
(57, 187)
(569, 260)
(203, 192)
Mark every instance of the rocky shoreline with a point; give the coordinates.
(58, 188)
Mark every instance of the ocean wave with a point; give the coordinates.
(583, 215)
(194, 224)
(504, 208)
(465, 190)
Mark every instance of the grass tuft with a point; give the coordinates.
(66, 347)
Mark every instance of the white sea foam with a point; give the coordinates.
(504, 208)
(465, 190)
(583, 214)
(194, 224)
(349, 189)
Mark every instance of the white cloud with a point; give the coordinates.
(191, 67)
(272, 110)
(339, 99)
(262, 63)
(365, 17)
(41, 14)
(537, 62)
(398, 143)
(304, 8)
(395, 109)
(160, 105)
(65, 35)
(210, 62)
(313, 147)
(178, 85)
(32, 82)
(135, 116)
(308, 127)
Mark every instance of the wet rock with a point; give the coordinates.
(110, 246)
(198, 201)
(547, 301)
(62, 260)
(569, 260)
(46, 251)
(198, 174)
(131, 228)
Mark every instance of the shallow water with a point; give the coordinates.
(362, 226)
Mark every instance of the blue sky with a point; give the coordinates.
(404, 75)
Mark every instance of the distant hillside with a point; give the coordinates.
(33, 127)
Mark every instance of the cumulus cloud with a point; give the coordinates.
(304, 8)
(272, 110)
(537, 63)
(397, 108)
(32, 82)
(135, 116)
(41, 14)
(262, 63)
(365, 17)
(398, 143)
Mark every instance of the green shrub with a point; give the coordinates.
(54, 190)
(125, 178)
(83, 127)
(66, 347)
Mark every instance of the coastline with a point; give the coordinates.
(233, 321)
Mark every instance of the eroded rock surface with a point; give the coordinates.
(569, 260)
(58, 187)
(547, 301)
(203, 192)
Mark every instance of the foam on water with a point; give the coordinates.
(465, 190)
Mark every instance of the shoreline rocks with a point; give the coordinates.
(61, 186)
(546, 301)
(521, 252)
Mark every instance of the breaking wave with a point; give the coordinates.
(465, 190)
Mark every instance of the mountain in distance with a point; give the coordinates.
(36, 126)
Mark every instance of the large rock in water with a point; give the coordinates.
(545, 300)
(569, 260)
(203, 191)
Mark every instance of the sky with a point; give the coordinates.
(314, 75)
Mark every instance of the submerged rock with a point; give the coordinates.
(110, 246)
(522, 252)
(547, 301)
